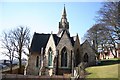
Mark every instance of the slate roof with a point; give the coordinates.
(56, 39)
(40, 41)
(72, 41)
(86, 42)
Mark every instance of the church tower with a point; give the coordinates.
(63, 24)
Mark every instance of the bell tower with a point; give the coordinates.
(63, 24)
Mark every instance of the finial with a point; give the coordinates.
(64, 11)
(64, 5)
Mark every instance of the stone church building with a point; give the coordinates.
(58, 54)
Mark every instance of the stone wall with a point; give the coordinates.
(63, 71)
(50, 44)
(32, 77)
(77, 54)
(31, 68)
(65, 42)
(86, 48)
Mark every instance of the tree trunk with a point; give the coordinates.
(103, 55)
(112, 52)
(115, 53)
(20, 64)
(10, 67)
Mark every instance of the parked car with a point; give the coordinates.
(2, 66)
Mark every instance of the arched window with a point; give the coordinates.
(64, 57)
(85, 57)
(37, 61)
(50, 57)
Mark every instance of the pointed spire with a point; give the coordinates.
(64, 19)
(64, 12)
(63, 24)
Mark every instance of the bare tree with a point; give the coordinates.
(95, 34)
(21, 40)
(102, 39)
(109, 14)
(8, 48)
(17, 42)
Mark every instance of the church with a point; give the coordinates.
(58, 54)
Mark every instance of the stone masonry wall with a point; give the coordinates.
(65, 42)
(77, 54)
(31, 68)
(91, 54)
(51, 45)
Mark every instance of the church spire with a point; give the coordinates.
(64, 12)
(63, 24)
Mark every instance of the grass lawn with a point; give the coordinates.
(106, 69)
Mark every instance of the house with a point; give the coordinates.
(107, 54)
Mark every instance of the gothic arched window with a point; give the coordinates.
(37, 61)
(50, 57)
(64, 57)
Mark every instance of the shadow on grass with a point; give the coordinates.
(108, 62)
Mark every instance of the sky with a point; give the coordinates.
(44, 17)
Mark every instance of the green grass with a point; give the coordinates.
(106, 69)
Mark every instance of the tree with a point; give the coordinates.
(106, 32)
(17, 42)
(101, 39)
(7, 45)
(21, 40)
(109, 15)
(95, 35)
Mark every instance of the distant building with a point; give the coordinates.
(106, 54)
(58, 54)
